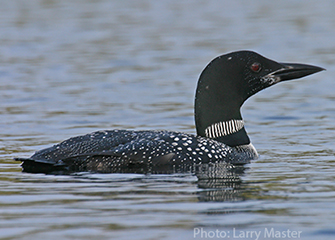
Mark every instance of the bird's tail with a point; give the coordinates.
(30, 165)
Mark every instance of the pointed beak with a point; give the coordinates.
(291, 71)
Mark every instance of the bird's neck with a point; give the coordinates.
(229, 131)
(218, 116)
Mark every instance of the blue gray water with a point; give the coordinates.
(72, 67)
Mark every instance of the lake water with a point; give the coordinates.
(72, 67)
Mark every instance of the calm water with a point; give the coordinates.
(72, 67)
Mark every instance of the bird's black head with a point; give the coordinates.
(227, 82)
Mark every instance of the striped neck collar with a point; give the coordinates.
(222, 129)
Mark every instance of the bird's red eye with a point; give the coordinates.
(256, 67)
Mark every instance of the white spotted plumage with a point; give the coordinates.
(117, 148)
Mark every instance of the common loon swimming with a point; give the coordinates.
(224, 85)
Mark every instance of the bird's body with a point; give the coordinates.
(135, 151)
(223, 87)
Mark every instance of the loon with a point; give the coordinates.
(223, 86)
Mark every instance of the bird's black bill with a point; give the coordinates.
(295, 70)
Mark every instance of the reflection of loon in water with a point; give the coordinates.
(224, 85)
(219, 182)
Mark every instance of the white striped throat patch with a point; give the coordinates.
(221, 129)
